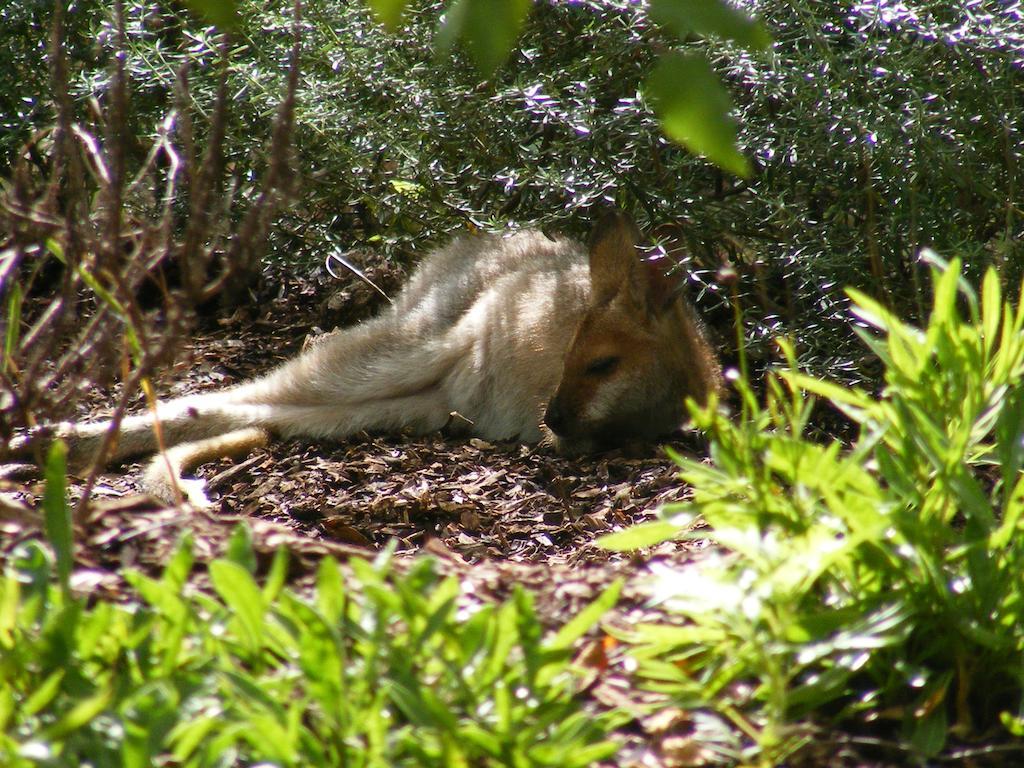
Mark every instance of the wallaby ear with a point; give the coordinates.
(614, 264)
(662, 286)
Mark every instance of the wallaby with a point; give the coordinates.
(510, 333)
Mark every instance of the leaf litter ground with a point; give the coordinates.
(494, 514)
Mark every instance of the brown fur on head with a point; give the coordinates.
(637, 354)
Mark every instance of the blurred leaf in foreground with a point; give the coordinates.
(694, 110)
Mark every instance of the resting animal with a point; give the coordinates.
(522, 336)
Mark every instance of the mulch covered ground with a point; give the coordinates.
(474, 501)
(497, 515)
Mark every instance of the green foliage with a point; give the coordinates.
(489, 28)
(383, 669)
(717, 19)
(694, 109)
(884, 578)
(12, 320)
(220, 13)
(880, 128)
(57, 514)
(871, 129)
(691, 103)
(26, 105)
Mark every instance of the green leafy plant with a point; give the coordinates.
(383, 669)
(870, 135)
(887, 578)
(691, 102)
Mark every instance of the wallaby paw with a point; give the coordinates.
(161, 481)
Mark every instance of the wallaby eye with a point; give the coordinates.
(602, 366)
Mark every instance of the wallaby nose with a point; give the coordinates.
(554, 417)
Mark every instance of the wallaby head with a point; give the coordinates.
(638, 351)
